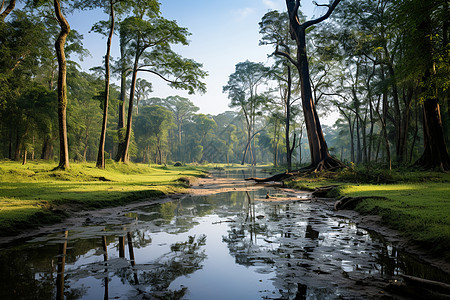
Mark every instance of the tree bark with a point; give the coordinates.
(8, 10)
(62, 87)
(289, 149)
(123, 95)
(435, 151)
(320, 156)
(123, 155)
(101, 148)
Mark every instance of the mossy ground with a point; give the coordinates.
(417, 204)
(28, 193)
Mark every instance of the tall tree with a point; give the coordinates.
(101, 148)
(151, 128)
(320, 156)
(427, 35)
(62, 86)
(182, 108)
(149, 31)
(274, 27)
(143, 88)
(242, 89)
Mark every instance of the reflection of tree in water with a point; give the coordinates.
(31, 273)
(185, 258)
(270, 242)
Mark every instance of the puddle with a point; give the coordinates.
(222, 246)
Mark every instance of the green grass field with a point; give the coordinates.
(29, 193)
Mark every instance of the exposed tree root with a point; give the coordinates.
(323, 191)
(328, 164)
(276, 177)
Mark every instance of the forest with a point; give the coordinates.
(381, 66)
(117, 183)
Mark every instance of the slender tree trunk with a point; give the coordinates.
(275, 145)
(17, 147)
(247, 145)
(46, 148)
(124, 154)
(101, 148)
(351, 126)
(416, 131)
(10, 139)
(62, 87)
(358, 141)
(25, 153)
(123, 96)
(372, 125)
(289, 149)
(32, 152)
(179, 141)
(383, 120)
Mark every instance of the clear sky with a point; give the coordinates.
(224, 33)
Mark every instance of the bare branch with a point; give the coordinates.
(161, 76)
(317, 4)
(286, 55)
(324, 17)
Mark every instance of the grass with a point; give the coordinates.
(417, 204)
(29, 194)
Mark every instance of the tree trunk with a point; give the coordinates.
(416, 132)
(32, 152)
(46, 148)
(8, 10)
(17, 148)
(123, 96)
(289, 149)
(62, 87)
(383, 120)
(101, 148)
(320, 157)
(246, 146)
(435, 151)
(123, 155)
(25, 153)
(275, 145)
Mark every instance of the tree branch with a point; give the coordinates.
(8, 9)
(286, 55)
(324, 17)
(161, 76)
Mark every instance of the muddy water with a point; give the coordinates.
(232, 245)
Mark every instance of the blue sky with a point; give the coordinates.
(224, 33)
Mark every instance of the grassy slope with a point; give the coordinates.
(418, 204)
(27, 193)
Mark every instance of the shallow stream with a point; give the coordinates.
(232, 245)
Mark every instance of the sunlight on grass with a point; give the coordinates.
(26, 190)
